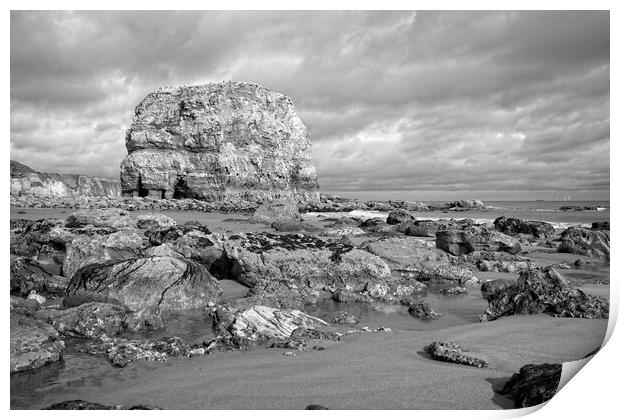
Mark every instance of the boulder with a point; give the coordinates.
(429, 228)
(579, 240)
(448, 274)
(502, 262)
(293, 225)
(454, 353)
(316, 407)
(343, 231)
(154, 221)
(24, 306)
(399, 216)
(535, 292)
(44, 240)
(277, 211)
(33, 343)
(302, 260)
(219, 142)
(453, 291)
(122, 352)
(28, 275)
(261, 322)
(422, 310)
(86, 321)
(476, 239)
(192, 242)
(114, 218)
(407, 252)
(165, 282)
(343, 317)
(118, 246)
(533, 384)
(490, 287)
(601, 225)
(512, 226)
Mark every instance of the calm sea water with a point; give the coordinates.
(546, 211)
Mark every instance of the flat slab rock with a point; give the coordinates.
(304, 260)
(261, 322)
(454, 353)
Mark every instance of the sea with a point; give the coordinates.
(546, 211)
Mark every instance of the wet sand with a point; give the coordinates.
(363, 371)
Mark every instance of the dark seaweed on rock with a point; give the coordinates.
(534, 384)
(264, 241)
(534, 293)
(87, 405)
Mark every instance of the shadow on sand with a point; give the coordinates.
(501, 400)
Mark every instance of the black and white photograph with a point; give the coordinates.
(306, 209)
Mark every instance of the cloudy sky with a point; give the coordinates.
(426, 105)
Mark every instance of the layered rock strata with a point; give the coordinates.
(216, 142)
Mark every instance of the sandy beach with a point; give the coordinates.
(364, 371)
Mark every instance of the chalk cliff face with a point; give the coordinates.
(221, 141)
(25, 180)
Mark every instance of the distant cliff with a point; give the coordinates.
(27, 181)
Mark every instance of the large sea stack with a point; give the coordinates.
(219, 142)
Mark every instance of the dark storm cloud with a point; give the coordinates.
(450, 101)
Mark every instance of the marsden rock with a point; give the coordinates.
(33, 343)
(221, 141)
(592, 243)
(533, 384)
(535, 292)
(118, 246)
(163, 282)
(476, 239)
(512, 226)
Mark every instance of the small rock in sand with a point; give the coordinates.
(454, 353)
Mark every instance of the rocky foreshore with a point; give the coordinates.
(327, 203)
(100, 275)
